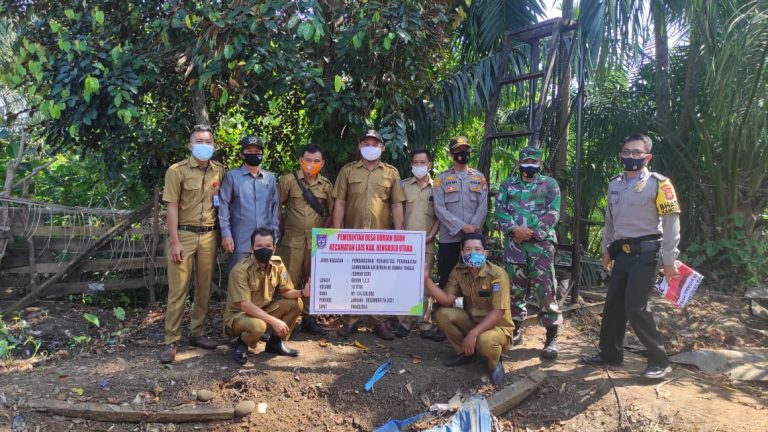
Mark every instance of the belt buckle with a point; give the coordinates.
(626, 248)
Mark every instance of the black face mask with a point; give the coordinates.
(461, 157)
(263, 255)
(529, 171)
(632, 164)
(253, 159)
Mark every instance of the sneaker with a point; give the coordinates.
(656, 372)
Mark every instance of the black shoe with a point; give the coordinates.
(276, 346)
(551, 349)
(497, 374)
(310, 325)
(458, 360)
(599, 360)
(240, 353)
(265, 336)
(402, 331)
(427, 334)
(439, 336)
(348, 329)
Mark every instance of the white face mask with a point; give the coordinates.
(370, 153)
(419, 171)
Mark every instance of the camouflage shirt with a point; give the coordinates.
(535, 205)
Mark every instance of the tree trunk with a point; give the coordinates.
(199, 106)
(690, 94)
(663, 92)
(13, 166)
(560, 162)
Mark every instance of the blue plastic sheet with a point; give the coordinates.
(398, 425)
(473, 416)
(380, 372)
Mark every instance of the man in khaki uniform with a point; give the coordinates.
(420, 216)
(368, 196)
(300, 217)
(251, 302)
(482, 323)
(191, 193)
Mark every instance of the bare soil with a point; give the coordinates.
(322, 389)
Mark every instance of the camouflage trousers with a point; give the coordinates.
(538, 274)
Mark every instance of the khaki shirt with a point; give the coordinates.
(483, 294)
(192, 189)
(299, 216)
(419, 206)
(248, 282)
(642, 206)
(368, 195)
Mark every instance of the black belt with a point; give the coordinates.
(197, 229)
(650, 243)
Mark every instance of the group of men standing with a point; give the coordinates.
(480, 306)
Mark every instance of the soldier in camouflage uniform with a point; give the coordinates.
(527, 209)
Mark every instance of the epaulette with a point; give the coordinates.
(213, 162)
(617, 176)
(658, 176)
(180, 163)
(276, 259)
(386, 165)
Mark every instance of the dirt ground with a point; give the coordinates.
(322, 389)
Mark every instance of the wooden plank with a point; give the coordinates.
(589, 295)
(66, 288)
(524, 77)
(128, 414)
(93, 265)
(511, 134)
(111, 264)
(543, 29)
(511, 395)
(579, 309)
(74, 231)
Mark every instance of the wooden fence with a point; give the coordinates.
(40, 241)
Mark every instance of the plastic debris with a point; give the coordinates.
(474, 415)
(104, 384)
(382, 370)
(393, 425)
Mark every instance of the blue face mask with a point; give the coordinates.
(202, 152)
(474, 259)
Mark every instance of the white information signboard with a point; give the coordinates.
(367, 272)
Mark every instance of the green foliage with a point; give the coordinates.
(93, 319)
(17, 339)
(119, 313)
(730, 263)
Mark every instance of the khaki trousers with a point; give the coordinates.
(199, 254)
(456, 324)
(298, 263)
(250, 329)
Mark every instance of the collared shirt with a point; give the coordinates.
(419, 205)
(248, 202)
(368, 194)
(642, 206)
(248, 282)
(483, 294)
(300, 217)
(535, 205)
(192, 188)
(461, 197)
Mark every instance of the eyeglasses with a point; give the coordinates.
(634, 153)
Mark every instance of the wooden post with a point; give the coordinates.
(152, 285)
(32, 263)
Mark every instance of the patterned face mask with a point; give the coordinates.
(474, 259)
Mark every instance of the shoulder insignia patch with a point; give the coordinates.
(495, 287)
(666, 198)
